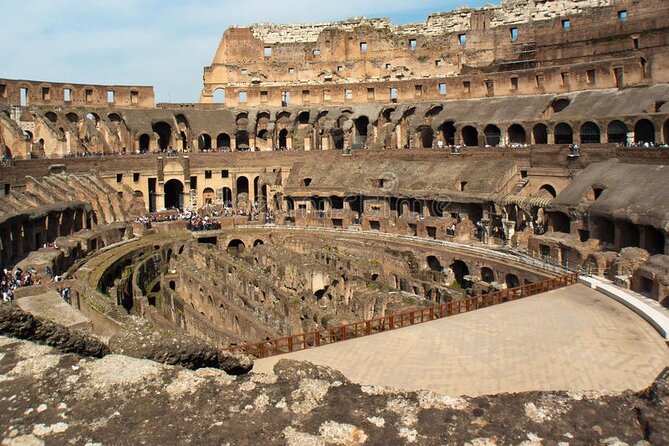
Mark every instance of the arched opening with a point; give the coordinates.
(434, 264)
(164, 132)
(487, 275)
(560, 104)
(223, 141)
(550, 189)
(72, 117)
(425, 136)
(138, 194)
(204, 142)
(236, 246)
(629, 234)
(227, 197)
(360, 137)
(51, 116)
(470, 136)
(540, 134)
(564, 134)
(665, 131)
(93, 117)
(144, 141)
(303, 117)
(590, 133)
(242, 185)
(242, 140)
(644, 131)
(654, 240)
(460, 270)
(616, 132)
(174, 194)
(447, 130)
(28, 135)
(258, 242)
(219, 96)
(338, 138)
(517, 134)
(606, 232)
(208, 195)
(493, 135)
(512, 281)
(115, 118)
(283, 139)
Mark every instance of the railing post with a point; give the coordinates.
(290, 343)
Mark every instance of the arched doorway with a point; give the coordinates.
(360, 137)
(447, 130)
(644, 131)
(425, 136)
(144, 141)
(493, 135)
(564, 134)
(487, 275)
(460, 270)
(605, 230)
(242, 190)
(590, 133)
(208, 195)
(470, 136)
(283, 139)
(512, 281)
(616, 132)
(550, 189)
(517, 134)
(338, 138)
(164, 132)
(223, 141)
(242, 140)
(227, 197)
(236, 246)
(540, 134)
(174, 194)
(219, 96)
(204, 142)
(434, 264)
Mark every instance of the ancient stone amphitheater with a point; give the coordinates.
(454, 222)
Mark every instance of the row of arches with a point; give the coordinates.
(461, 272)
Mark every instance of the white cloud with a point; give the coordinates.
(165, 43)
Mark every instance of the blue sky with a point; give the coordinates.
(164, 43)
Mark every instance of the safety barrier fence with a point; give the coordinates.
(304, 341)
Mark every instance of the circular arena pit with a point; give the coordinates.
(242, 286)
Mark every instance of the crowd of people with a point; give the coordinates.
(13, 279)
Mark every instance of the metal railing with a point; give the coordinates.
(304, 341)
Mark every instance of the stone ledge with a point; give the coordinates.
(654, 317)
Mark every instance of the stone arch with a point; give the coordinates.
(258, 242)
(337, 138)
(616, 132)
(144, 142)
(629, 234)
(470, 136)
(204, 142)
(223, 141)
(517, 134)
(115, 118)
(434, 111)
(236, 246)
(51, 116)
(72, 117)
(425, 136)
(360, 124)
(606, 231)
(218, 96)
(644, 131)
(564, 134)
(654, 240)
(434, 264)
(93, 117)
(550, 189)
(164, 132)
(174, 194)
(242, 185)
(227, 197)
(493, 135)
(560, 104)
(447, 130)
(590, 133)
(303, 117)
(283, 138)
(512, 281)
(487, 275)
(460, 270)
(242, 140)
(208, 195)
(540, 134)
(242, 119)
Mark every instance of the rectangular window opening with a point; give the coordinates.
(348, 94)
(326, 95)
(442, 89)
(245, 71)
(134, 97)
(566, 24)
(3, 90)
(225, 173)
(363, 47)
(514, 34)
(316, 52)
(291, 70)
(119, 177)
(462, 38)
(393, 94)
(305, 96)
(24, 96)
(418, 91)
(285, 98)
(135, 177)
(46, 93)
(540, 80)
(207, 174)
(590, 76)
(264, 96)
(622, 16)
(437, 63)
(67, 94)
(110, 96)
(89, 95)
(267, 51)
(565, 78)
(514, 83)
(243, 97)
(370, 93)
(467, 86)
(413, 44)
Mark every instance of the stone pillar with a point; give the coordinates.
(485, 230)
(509, 229)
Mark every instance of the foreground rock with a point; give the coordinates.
(141, 341)
(54, 398)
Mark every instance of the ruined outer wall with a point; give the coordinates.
(317, 63)
(53, 94)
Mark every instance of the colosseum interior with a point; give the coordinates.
(336, 176)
